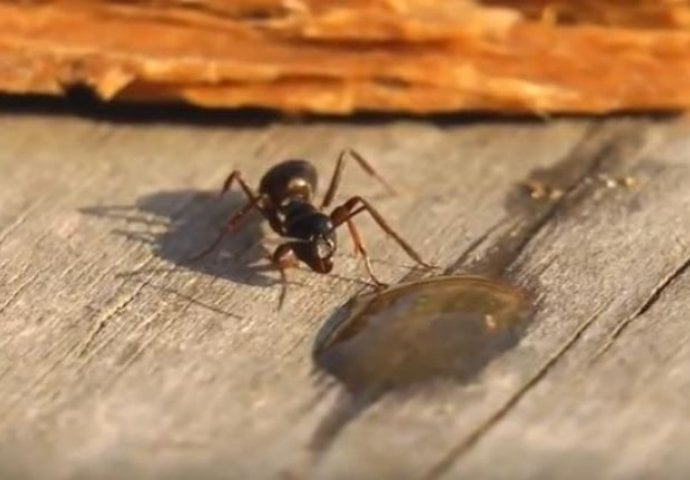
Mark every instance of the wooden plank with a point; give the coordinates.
(116, 359)
(599, 259)
(611, 402)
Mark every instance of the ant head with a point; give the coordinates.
(318, 243)
(322, 247)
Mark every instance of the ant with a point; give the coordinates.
(285, 199)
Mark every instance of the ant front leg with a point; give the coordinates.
(357, 205)
(233, 222)
(361, 249)
(283, 257)
(340, 164)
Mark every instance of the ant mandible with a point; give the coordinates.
(285, 199)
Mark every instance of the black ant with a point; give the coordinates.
(285, 199)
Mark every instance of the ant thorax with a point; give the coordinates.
(298, 187)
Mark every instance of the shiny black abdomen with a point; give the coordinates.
(279, 180)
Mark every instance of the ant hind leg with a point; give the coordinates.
(233, 222)
(230, 226)
(236, 175)
(337, 173)
(283, 258)
(361, 249)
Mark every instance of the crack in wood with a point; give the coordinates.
(656, 293)
(478, 433)
(38, 380)
(179, 208)
(108, 340)
(207, 306)
(207, 14)
(12, 296)
(654, 296)
(531, 217)
(110, 313)
(472, 247)
(19, 220)
(86, 294)
(588, 157)
(114, 378)
(508, 248)
(601, 148)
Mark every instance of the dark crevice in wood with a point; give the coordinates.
(107, 315)
(655, 295)
(601, 149)
(530, 217)
(165, 11)
(81, 102)
(12, 296)
(416, 274)
(19, 219)
(479, 241)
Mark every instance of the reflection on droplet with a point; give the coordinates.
(440, 327)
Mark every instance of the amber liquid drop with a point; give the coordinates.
(448, 326)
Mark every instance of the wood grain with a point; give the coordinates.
(117, 360)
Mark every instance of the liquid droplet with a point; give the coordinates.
(448, 326)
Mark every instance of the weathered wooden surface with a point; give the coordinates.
(117, 361)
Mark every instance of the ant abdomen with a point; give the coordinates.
(289, 179)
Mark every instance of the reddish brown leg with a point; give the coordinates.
(233, 222)
(283, 258)
(356, 205)
(236, 175)
(261, 201)
(361, 249)
(340, 164)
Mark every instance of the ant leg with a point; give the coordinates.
(259, 200)
(232, 223)
(283, 258)
(340, 164)
(356, 205)
(361, 249)
(236, 175)
(229, 227)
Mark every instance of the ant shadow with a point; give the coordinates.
(179, 224)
